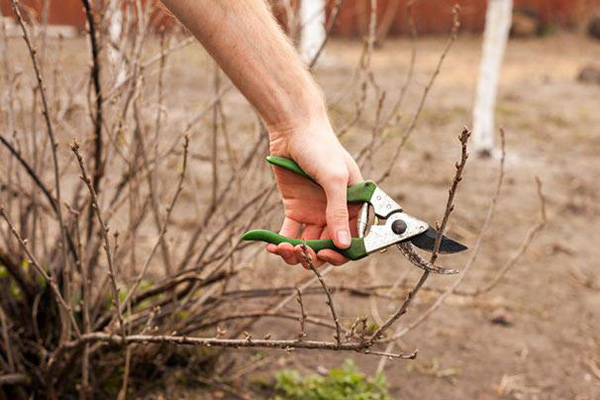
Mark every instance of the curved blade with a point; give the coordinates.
(426, 241)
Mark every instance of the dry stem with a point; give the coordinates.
(104, 230)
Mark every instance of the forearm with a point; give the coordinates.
(247, 43)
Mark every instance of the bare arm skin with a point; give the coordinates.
(245, 40)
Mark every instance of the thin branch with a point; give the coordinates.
(49, 127)
(533, 231)
(98, 119)
(30, 171)
(248, 342)
(474, 253)
(329, 302)
(302, 317)
(460, 166)
(332, 21)
(42, 271)
(15, 379)
(165, 224)
(104, 228)
(413, 123)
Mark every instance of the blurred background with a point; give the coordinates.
(402, 78)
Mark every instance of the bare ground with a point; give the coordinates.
(552, 313)
(549, 347)
(545, 343)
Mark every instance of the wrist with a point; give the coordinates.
(299, 111)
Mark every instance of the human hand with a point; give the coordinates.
(313, 211)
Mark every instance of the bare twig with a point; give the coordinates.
(41, 270)
(104, 231)
(49, 127)
(228, 343)
(165, 224)
(463, 138)
(516, 256)
(302, 317)
(331, 25)
(413, 123)
(98, 119)
(329, 302)
(14, 379)
(460, 166)
(475, 252)
(31, 172)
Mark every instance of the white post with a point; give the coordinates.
(115, 32)
(312, 22)
(497, 27)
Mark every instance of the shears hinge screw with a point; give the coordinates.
(399, 227)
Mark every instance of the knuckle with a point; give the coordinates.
(338, 177)
(339, 214)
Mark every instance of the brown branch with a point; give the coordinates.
(335, 12)
(533, 231)
(165, 225)
(302, 318)
(413, 123)
(15, 379)
(30, 171)
(460, 166)
(329, 302)
(15, 271)
(104, 230)
(214, 141)
(42, 271)
(474, 253)
(49, 127)
(248, 342)
(98, 119)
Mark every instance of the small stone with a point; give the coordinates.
(501, 317)
(589, 74)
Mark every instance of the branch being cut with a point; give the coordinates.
(460, 166)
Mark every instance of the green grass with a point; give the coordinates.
(345, 383)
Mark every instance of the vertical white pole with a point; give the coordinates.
(497, 27)
(312, 22)
(115, 31)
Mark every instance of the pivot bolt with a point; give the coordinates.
(399, 227)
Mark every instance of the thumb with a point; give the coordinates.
(337, 210)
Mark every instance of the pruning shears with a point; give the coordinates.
(392, 226)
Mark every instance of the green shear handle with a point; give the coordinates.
(359, 193)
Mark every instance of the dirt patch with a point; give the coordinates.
(552, 297)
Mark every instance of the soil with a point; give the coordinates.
(536, 335)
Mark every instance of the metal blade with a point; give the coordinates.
(426, 241)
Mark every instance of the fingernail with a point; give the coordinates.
(343, 238)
